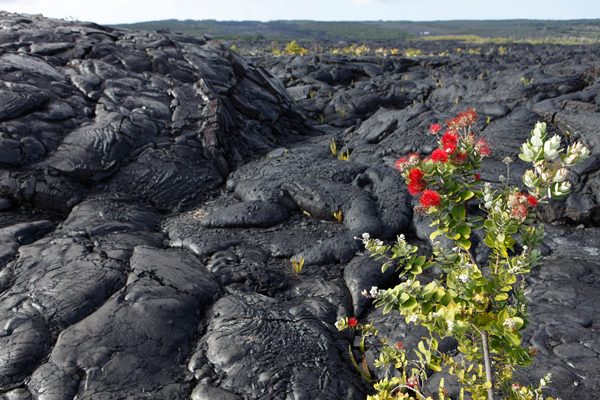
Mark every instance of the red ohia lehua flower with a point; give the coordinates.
(449, 141)
(519, 212)
(483, 148)
(399, 164)
(415, 181)
(435, 128)
(352, 322)
(439, 155)
(460, 158)
(463, 119)
(416, 187)
(532, 200)
(415, 174)
(430, 198)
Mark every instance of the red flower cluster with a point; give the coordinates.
(532, 200)
(461, 157)
(449, 141)
(439, 155)
(483, 148)
(399, 164)
(463, 119)
(403, 162)
(519, 212)
(435, 128)
(430, 198)
(352, 322)
(520, 204)
(416, 184)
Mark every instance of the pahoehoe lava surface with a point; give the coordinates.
(154, 188)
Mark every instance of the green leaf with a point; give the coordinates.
(420, 260)
(453, 236)
(464, 243)
(464, 231)
(518, 322)
(435, 234)
(513, 338)
(459, 213)
(434, 367)
(467, 194)
(501, 297)
(387, 308)
(410, 304)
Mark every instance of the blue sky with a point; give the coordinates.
(115, 11)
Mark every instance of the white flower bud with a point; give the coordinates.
(560, 175)
(528, 179)
(536, 141)
(527, 153)
(540, 129)
(551, 148)
(584, 152)
(559, 189)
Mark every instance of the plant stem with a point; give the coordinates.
(488, 364)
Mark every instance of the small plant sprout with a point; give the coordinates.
(344, 155)
(338, 216)
(342, 113)
(479, 301)
(297, 265)
(333, 149)
(525, 81)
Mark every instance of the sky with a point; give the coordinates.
(122, 11)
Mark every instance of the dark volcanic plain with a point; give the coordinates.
(154, 188)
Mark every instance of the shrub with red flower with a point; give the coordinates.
(352, 322)
(478, 301)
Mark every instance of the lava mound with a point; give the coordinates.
(161, 117)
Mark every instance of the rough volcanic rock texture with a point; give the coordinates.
(155, 189)
(163, 117)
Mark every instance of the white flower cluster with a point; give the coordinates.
(488, 197)
(550, 161)
(374, 293)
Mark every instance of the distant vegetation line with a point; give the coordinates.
(584, 31)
